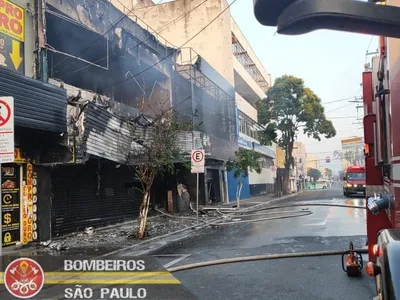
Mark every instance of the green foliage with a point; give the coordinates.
(353, 156)
(315, 174)
(269, 134)
(244, 161)
(292, 107)
(329, 173)
(159, 150)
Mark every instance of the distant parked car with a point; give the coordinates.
(323, 184)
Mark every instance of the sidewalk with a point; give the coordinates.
(111, 239)
(262, 199)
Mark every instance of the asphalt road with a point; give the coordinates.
(318, 278)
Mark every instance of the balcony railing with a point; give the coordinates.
(245, 60)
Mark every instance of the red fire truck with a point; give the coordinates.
(354, 181)
(381, 93)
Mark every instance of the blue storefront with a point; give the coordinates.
(233, 183)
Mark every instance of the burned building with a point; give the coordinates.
(113, 69)
(85, 69)
(207, 100)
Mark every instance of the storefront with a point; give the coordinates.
(97, 193)
(19, 202)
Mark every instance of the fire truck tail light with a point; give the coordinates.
(372, 269)
(375, 249)
(366, 150)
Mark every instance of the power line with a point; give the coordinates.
(144, 41)
(339, 100)
(335, 109)
(353, 117)
(175, 50)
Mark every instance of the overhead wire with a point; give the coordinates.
(339, 100)
(180, 47)
(158, 31)
(335, 109)
(83, 50)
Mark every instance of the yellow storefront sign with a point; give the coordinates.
(27, 207)
(18, 155)
(12, 20)
(7, 238)
(24, 228)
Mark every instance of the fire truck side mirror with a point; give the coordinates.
(295, 17)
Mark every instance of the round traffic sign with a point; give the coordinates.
(197, 156)
(5, 112)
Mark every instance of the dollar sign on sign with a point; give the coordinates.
(7, 218)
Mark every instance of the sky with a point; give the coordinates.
(331, 64)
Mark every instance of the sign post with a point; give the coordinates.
(197, 166)
(6, 149)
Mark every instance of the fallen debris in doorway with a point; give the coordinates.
(98, 241)
(55, 245)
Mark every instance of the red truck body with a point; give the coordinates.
(354, 181)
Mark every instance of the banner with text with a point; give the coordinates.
(55, 277)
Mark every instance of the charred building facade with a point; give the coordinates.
(112, 69)
(77, 75)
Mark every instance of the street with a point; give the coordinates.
(328, 228)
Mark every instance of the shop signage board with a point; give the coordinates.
(10, 200)
(7, 153)
(28, 211)
(12, 36)
(7, 150)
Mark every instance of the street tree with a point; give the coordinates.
(329, 173)
(245, 161)
(293, 108)
(153, 151)
(354, 156)
(315, 174)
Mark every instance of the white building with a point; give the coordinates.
(225, 48)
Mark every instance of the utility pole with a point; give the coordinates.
(360, 101)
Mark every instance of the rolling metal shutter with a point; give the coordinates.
(37, 104)
(79, 199)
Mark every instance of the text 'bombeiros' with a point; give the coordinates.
(104, 265)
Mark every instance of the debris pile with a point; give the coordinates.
(99, 241)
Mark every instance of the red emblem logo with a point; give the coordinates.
(24, 278)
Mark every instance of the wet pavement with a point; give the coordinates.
(327, 228)
(101, 241)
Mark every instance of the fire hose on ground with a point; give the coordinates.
(290, 214)
(272, 216)
(259, 257)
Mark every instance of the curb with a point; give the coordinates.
(273, 200)
(186, 230)
(193, 228)
(183, 231)
(27, 247)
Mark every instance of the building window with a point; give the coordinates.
(247, 125)
(266, 162)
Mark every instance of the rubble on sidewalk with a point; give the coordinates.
(99, 241)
